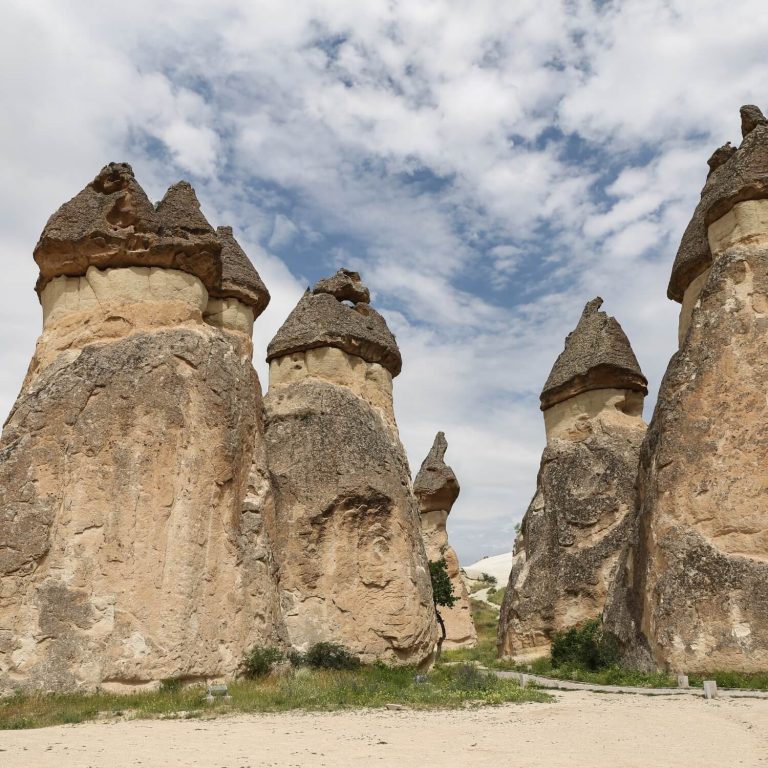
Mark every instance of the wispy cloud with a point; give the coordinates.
(488, 167)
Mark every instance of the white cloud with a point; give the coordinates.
(487, 167)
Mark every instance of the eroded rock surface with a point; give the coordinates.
(135, 505)
(352, 564)
(437, 489)
(579, 519)
(692, 594)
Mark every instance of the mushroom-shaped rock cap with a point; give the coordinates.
(239, 278)
(597, 355)
(436, 486)
(112, 223)
(321, 319)
(735, 176)
(345, 286)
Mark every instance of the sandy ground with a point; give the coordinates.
(580, 729)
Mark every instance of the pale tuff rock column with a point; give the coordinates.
(437, 489)
(132, 522)
(579, 518)
(693, 595)
(352, 564)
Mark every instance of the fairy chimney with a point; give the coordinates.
(692, 592)
(352, 564)
(437, 489)
(134, 494)
(579, 518)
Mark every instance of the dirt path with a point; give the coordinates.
(580, 729)
(482, 597)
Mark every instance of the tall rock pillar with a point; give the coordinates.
(579, 518)
(133, 505)
(437, 489)
(693, 593)
(352, 564)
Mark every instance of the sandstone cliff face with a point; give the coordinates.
(352, 564)
(579, 518)
(437, 489)
(135, 507)
(692, 594)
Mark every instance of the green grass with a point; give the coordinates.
(628, 677)
(497, 597)
(486, 623)
(476, 585)
(608, 676)
(308, 690)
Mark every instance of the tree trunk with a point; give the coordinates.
(442, 636)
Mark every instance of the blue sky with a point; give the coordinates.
(488, 167)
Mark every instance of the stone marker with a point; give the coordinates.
(710, 689)
(682, 681)
(579, 518)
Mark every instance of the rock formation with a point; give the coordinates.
(578, 520)
(135, 506)
(437, 489)
(352, 564)
(692, 594)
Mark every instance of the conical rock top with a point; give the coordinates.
(112, 224)
(179, 210)
(321, 319)
(751, 117)
(436, 486)
(735, 176)
(239, 278)
(597, 355)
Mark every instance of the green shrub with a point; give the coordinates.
(585, 646)
(467, 677)
(259, 661)
(330, 656)
(486, 577)
(171, 685)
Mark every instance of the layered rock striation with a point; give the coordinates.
(579, 519)
(352, 564)
(135, 503)
(692, 593)
(437, 489)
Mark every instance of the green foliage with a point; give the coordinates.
(467, 677)
(585, 646)
(171, 684)
(442, 589)
(754, 680)
(486, 577)
(330, 656)
(497, 596)
(259, 661)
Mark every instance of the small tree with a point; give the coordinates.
(442, 594)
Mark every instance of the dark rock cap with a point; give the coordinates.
(320, 319)
(436, 486)
(345, 286)
(734, 176)
(597, 355)
(112, 223)
(239, 278)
